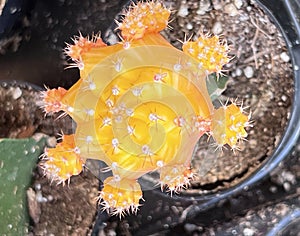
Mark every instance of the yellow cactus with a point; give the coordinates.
(228, 125)
(82, 45)
(63, 161)
(53, 99)
(175, 177)
(143, 19)
(140, 106)
(121, 195)
(210, 52)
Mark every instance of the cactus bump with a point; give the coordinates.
(140, 106)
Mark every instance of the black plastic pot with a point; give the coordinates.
(285, 14)
(12, 15)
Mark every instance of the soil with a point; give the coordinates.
(260, 76)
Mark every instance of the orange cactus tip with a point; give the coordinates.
(210, 52)
(228, 125)
(175, 177)
(63, 161)
(144, 18)
(52, 100)
(82, 45)
(120, 195)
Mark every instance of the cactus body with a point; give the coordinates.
(140, 106)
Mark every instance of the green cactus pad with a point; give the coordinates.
(17, 160)
(216, 85)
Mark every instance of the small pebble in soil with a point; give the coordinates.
(37, 186)
(230, 9)
(249, 72)
(183, 11)
(189, 228)
(204, 7)
(273, 189)
(285, 57)
(287, 186)
(217, 4)
(284, 98)
(238, 72)
(217, 28)
(16, 93)
(238, 3)
(189, 26)
(248, 232)
(40, 198)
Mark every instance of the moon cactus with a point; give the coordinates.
(140, 106)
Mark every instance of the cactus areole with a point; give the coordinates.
(140, 106)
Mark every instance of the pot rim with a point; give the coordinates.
(285, 223)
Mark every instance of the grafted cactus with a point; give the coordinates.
(140, 106)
